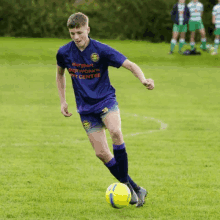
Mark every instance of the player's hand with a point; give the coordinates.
(64, 110)
(149, 83)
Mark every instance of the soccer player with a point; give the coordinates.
(216, 21)
(87, 62)
(195, 23)
(180, 16)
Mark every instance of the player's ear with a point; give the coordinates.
(88, 30)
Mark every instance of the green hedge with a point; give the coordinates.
(115, 19)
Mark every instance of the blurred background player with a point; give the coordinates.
(216, 21)
(180, 16)
(195, 23)
(87, 62)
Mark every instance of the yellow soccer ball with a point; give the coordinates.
(118, 195)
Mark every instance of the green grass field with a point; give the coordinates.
(48, 170)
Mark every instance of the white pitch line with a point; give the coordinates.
(163, 125)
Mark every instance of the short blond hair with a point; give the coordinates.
(77, 20)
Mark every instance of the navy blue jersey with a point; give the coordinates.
(89, 72)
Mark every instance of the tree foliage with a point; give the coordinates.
(115, 19)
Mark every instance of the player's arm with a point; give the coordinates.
(137, 72)
(213, 19)
(202, 11)
(187, 14)
(173, 14)
(61, 85)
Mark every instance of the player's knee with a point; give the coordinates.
(102, 155)
(116, 133)
(203, 35)
(192, 34)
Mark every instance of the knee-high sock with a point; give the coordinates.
(181, 44)
(216, 45)
(173, 44)
(113, 168)
(122, 161)
(133, 184)
(192, 44)
(203, 40)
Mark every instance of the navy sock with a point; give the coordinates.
(122, 161)
(118, 150)
(133, 184)
(113, 168)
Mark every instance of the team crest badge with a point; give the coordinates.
(104, 110)
(94, 57)
(86, 125)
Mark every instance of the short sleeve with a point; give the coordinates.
(202, 7)
(113, 57)
(60, 60)
(214, 12)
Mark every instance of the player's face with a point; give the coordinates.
(182, 1)
(80, 36)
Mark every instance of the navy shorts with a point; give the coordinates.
(94, 122)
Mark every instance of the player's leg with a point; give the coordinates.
(192, 40)
(174, 38)
(112, 121)
(216, 45)
(183, 30)
(96, 133)
(203, 37)
(94, 127)
(182, 40)
(192, 29)
(100, 145)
